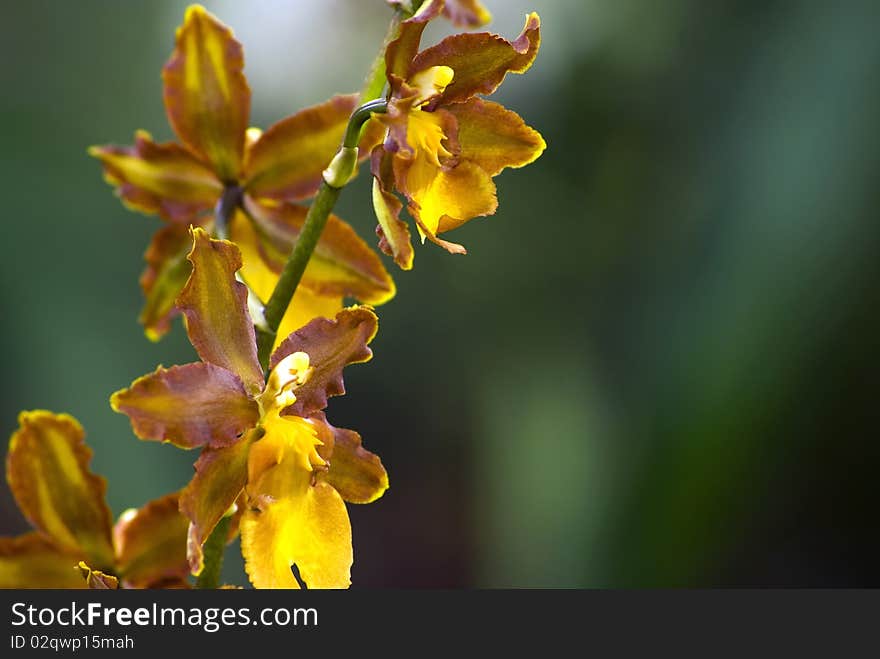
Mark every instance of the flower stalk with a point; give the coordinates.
(314, 224)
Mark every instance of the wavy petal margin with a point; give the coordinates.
(331, 346)
(47, 469)
(494, 137)
(356, 473)
(480, 61)
(97, 580)
(394, 236)
(220, 477)
(215, 306)
(189, 406)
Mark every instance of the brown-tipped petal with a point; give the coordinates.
(288, 159)
(33, 561)
(164, 277)
(462, 13)
(354, 472)
(215, 306)
(343, 265)
(466, 13)
(400, 52)
(159, 178)
(220, 477)
(443, 199)
(207, 97)
(331, 346)
(151, 543)
(189, 406)
(480, 61)
(95, 579)
(494, 137)
(261, 279)
(47, 469)
(394, 237)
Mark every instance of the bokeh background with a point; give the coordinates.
(658, 366)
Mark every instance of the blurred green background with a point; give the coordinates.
(657, 365)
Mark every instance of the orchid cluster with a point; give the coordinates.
(252, 258)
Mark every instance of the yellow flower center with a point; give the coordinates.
(424, 131)
(430, 82)
(291, 372)
(425, 136)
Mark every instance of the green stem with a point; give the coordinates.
(375, 81)
(214, 547)
(316, 220)
(360, 117)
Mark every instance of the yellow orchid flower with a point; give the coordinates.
(47, 468)
(443, 144)
(207, 100)
(265, 438)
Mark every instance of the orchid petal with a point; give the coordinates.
(220, 477)
(189, 406)
(47, 468)
(480, 61)
(331, 346)
(151, 543)
(159, 178)
(206, 94)
(494, 137)
(33, 561)
(215, 306)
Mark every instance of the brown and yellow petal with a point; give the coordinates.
(159, 178)
(462, 13)
(480, 61)
(293, 520)
(287, 160)
(394, 236)
(343, 265)
(95, 579)
(164, 277)
(494, 137)
(354, 472)
(33, 561)
(220, 477)
(261, 280)
(47, 469)
(206, 94)
(215, 306)
(189, 406)
(151, 543)
(331, 346)
(443, 198)
(466, 13)
(400, 51)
